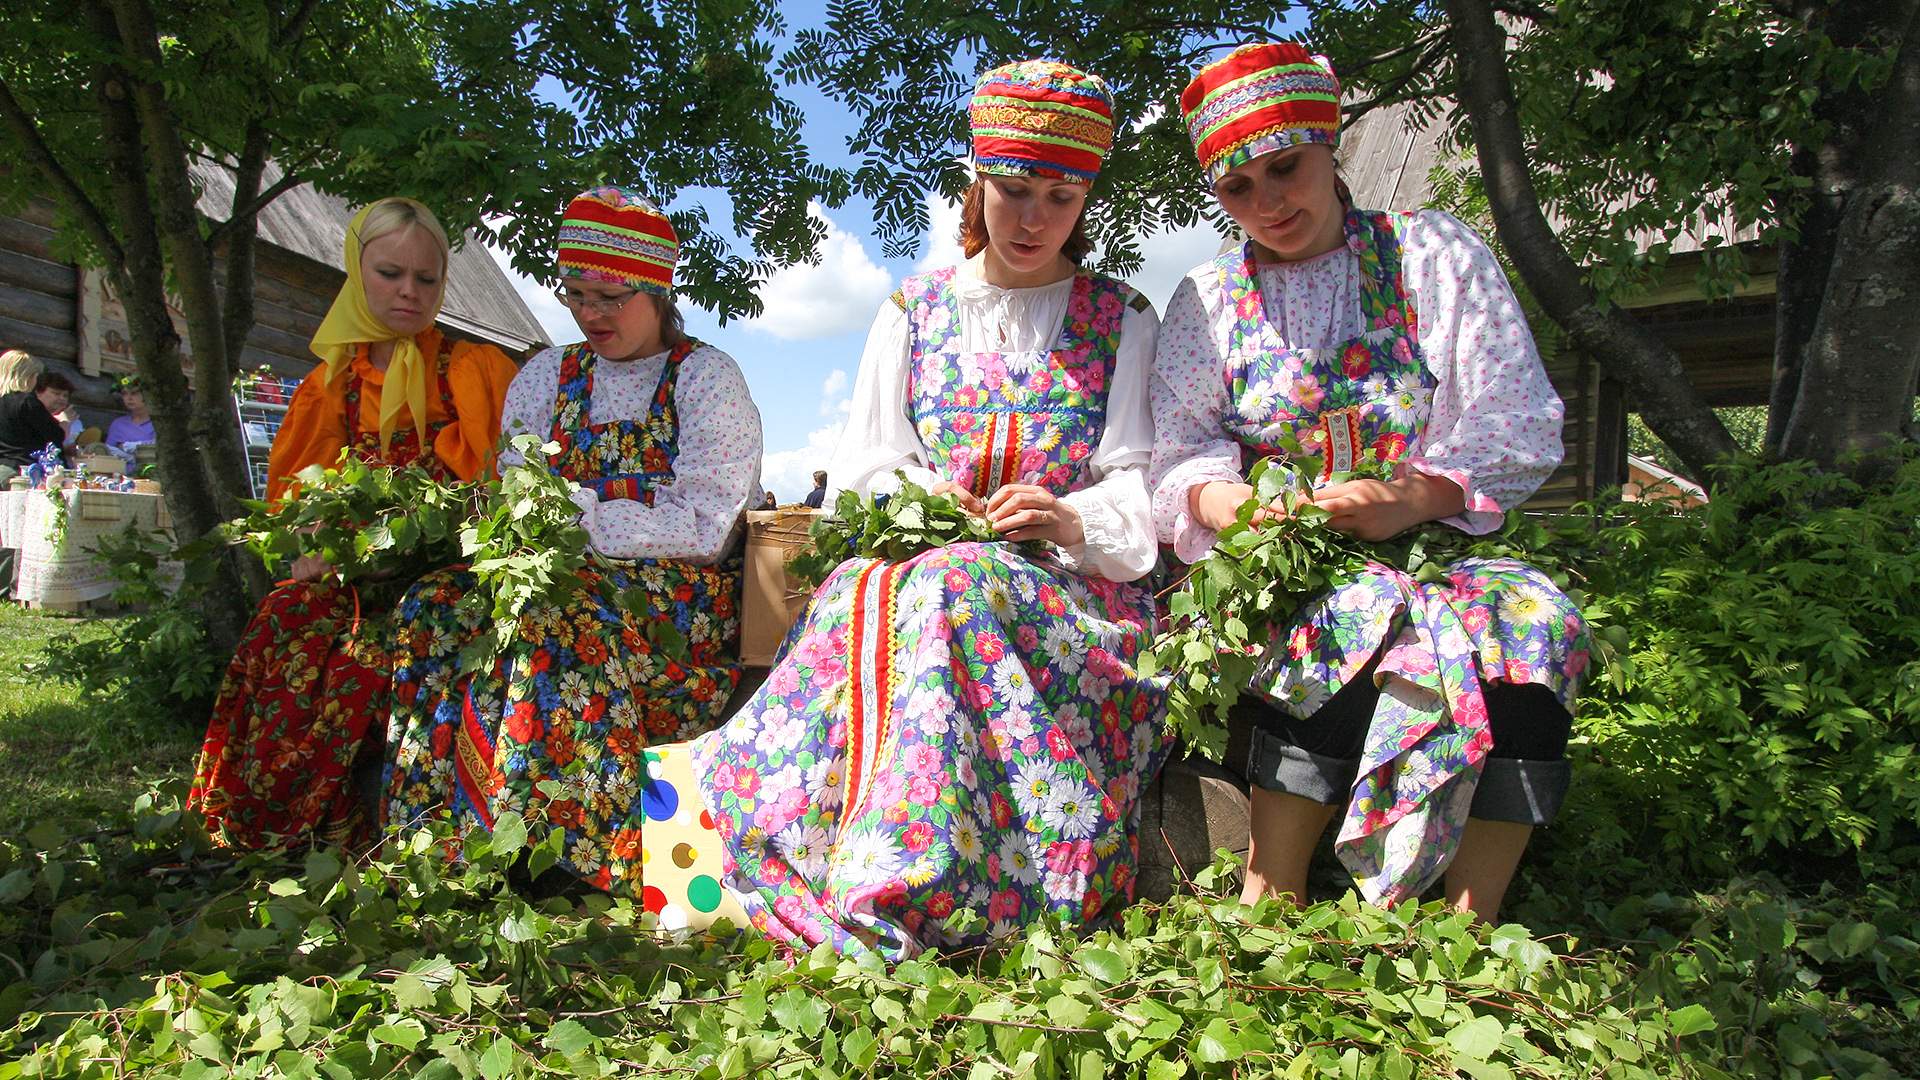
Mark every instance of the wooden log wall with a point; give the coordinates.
(40, 305)
(38, 292)
(1574, 378)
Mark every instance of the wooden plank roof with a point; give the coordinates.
(1388, 157)
(480, 299)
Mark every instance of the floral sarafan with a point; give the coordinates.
(991, 419)
(557, 728)
(953, 745)
(1293, 401)
(1360, 404)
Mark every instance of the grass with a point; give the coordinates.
(68, 757)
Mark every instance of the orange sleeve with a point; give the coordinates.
(313, 432)
(477, 379)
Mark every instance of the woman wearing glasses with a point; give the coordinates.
(292, 714)
(1431, 719)
(664, 441)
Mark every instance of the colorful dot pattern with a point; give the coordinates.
(680, 851)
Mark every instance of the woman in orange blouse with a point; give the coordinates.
(292, 716)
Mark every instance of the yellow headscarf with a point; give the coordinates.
(349, 323)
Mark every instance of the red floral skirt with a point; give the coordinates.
(291, 718)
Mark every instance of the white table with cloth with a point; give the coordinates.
(56, 568)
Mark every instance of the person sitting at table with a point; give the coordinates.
(136, 428)
(294, 709)
(27, 423)
(18, 370)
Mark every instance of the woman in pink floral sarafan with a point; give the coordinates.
(949, 747)
(1432, 718)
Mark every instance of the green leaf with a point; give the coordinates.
(509, 833)
(497, 1061)
(860, 1048)
(797, 1010)
(1103, 964)
(1850, 938)
(1477, 1038)
(1166, 1069)
(1215, 1043)
(15, 886)
(406, 1035)
(1691, 1020)
(410, 993)
(569, 1037)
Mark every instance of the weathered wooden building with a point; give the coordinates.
(66, 316)
(1725, 345)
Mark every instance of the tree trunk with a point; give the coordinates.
(1860, 354)
(141, 284)
(190, 259)
(237, 317)
(1627, 351)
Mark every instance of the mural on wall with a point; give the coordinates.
(106, 346)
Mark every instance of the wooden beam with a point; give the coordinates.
(41, 341)
(27, 305)
(40, 275)
(18, 234)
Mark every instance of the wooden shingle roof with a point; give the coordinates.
(1388, 157)
(480, 299)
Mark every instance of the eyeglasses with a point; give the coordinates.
(599, 306)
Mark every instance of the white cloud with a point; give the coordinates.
(836, 294)
(1167, 256)
(943, 234)
(552, 315)
(789, 473)
(833, 393)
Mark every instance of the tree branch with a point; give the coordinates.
(1667, 400)
(39, 155)
(297, 25)
(238, 312)
(251, 210)
(1351, 114)
(1419, 43)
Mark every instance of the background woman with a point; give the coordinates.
(1434, 718)
(129, 432)
(965, 731)
(661, 436)
(304, 683)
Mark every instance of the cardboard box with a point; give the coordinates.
(773, 599)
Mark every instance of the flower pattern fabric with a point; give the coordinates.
(293, 712)
(557, 729)
(1493, 619)
(966, 730)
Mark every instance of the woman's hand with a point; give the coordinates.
(968, 500)
(1026, 512)
(1376, 510)
(1216, 504)
(310, 568)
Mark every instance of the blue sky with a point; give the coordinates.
(801, 354)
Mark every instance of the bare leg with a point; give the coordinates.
(1483, 867)
(1286, 829)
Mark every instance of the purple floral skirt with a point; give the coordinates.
(945, 749)
(1493, 619)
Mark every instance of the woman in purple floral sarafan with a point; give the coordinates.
(1433, 718)
(950, 747)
